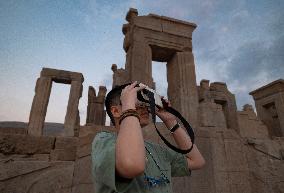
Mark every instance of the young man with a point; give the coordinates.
(124, 162)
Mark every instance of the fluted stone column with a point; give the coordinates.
(39, 106)
(71, 118)
(182, 88)
(139, 63)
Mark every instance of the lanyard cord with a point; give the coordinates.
(171, 110)
(153, 159)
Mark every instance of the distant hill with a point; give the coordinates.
(49, 128)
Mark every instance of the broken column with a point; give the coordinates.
(120, 76)
(96, 115)
(210, 114)
(222, 96)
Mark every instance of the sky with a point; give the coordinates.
(239, 42)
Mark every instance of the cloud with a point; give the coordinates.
(254, 65)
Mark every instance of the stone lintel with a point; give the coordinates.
(159, 23)
(269, 89)
(173, 20)
(62, 76)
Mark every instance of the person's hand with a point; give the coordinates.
(166, 117)
(128, 96)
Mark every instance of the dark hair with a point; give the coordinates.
(113, 99)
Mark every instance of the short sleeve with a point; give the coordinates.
(179, 164)
(103, 163)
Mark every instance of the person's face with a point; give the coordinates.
(143, 113)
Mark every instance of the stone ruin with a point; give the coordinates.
(244, 151)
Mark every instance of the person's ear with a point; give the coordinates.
(116, 111)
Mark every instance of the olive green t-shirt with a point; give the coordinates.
(103, 167)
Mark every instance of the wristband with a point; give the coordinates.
(127, 113)
(174, 128)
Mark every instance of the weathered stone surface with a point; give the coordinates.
(23, 157)
(90, 108)
(36, 177)
(66, 142)
(83, 188)
(39, 106)
(182, 89)
(266, 170)
(61, 76)
(218, 93)
(65, 149)
(85, 145)
(269, 102)
(82, 180)
(250, 125)
(72, 121)
(120, 76)
(83, 171)
(13, 130)
(25, 144)
(96, 115)
(211, 115)
(68, 154)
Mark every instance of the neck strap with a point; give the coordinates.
(175, 113)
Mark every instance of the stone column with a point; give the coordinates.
(71, 118)
(100, 113)
(139, 63)
(96, 114)
(90, 108)
(182, 88)
(39, 106)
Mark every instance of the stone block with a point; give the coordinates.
(24, 157)
(83, 188)
(85, 145)
(83, 171)
(66, 142)
(221, 182)
(235, 155)
(239, 182)
(84, 150)
(22, 131)
(25, 144)
(36, 177)
(68, 154)
(219, 160)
